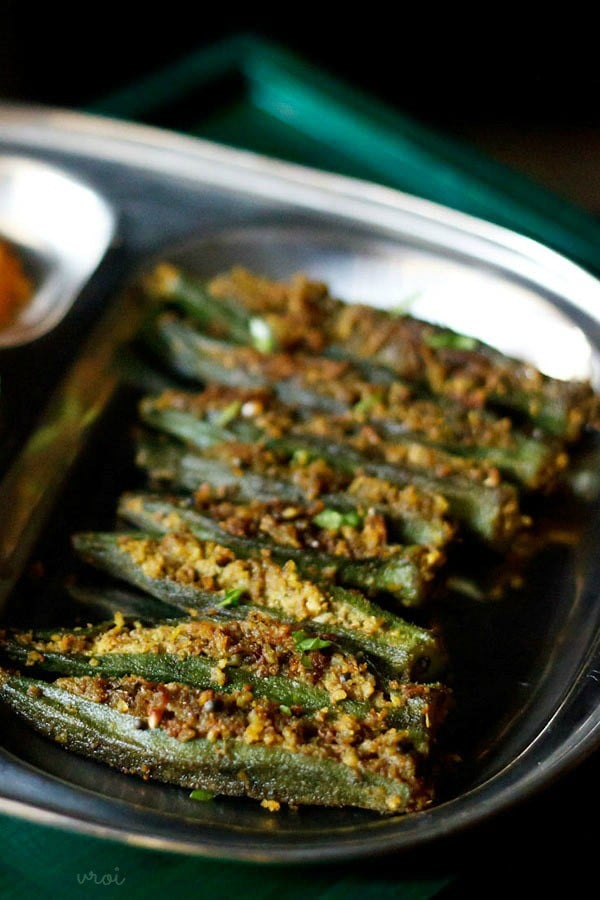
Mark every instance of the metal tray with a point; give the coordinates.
(526, 676)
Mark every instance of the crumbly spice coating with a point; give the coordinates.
(184, 559)
(316, 477)
(472, 376)
(293, 310)
(209, 566)
(255, 643)
(341, 382)
(275, 419)
(186, 713)
(369, 440)
(294, 526)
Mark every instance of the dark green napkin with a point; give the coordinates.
(251, 94)
(41, 862)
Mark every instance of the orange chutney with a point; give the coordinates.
(15, 286)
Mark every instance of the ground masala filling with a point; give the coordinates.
(315, 477)
(339, 382)
(209, 566)
(426, 434)
(366, 745)
(257, 644)
(302, 315)
(290, 525)
(274, 419)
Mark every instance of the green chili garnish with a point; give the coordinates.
(301, 457)
(450, 340)
(200, 794)
(333, 520)
(263, 338)
(230, 413)
(232, 597)
(366, 404)
(305, 643)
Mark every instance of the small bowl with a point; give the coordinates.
(61, 229)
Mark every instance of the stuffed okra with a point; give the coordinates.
(273, 659)
(232, 744)
(485, 506)
(412, 514)
(344, 550)
(341, 389)
(203, 575)
(302, 315)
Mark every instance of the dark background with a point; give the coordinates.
(525, 92)
(431, 64)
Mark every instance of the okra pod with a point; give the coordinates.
(413, 514)
(444, 362)
(341, 389)
(245, 747)
(403, 572)
(223, 656)
(193, 574)
(102, 602)
(488, 510)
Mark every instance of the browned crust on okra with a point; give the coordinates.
(275, 419)
(293, 310)
(470, 376)
(209, 566)
(255, 643)
(294, 526)
(187, 713)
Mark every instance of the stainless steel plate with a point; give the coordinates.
(525, 674)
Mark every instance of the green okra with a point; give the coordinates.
(444, 362)
(487, 511)
(414, 515)
(161, 567)
(103, 601)
(232, 766)
(167, 283)
(405, 574)
(356, 394)
(179, 652)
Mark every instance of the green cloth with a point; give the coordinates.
(249, 93)
(41, 862)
